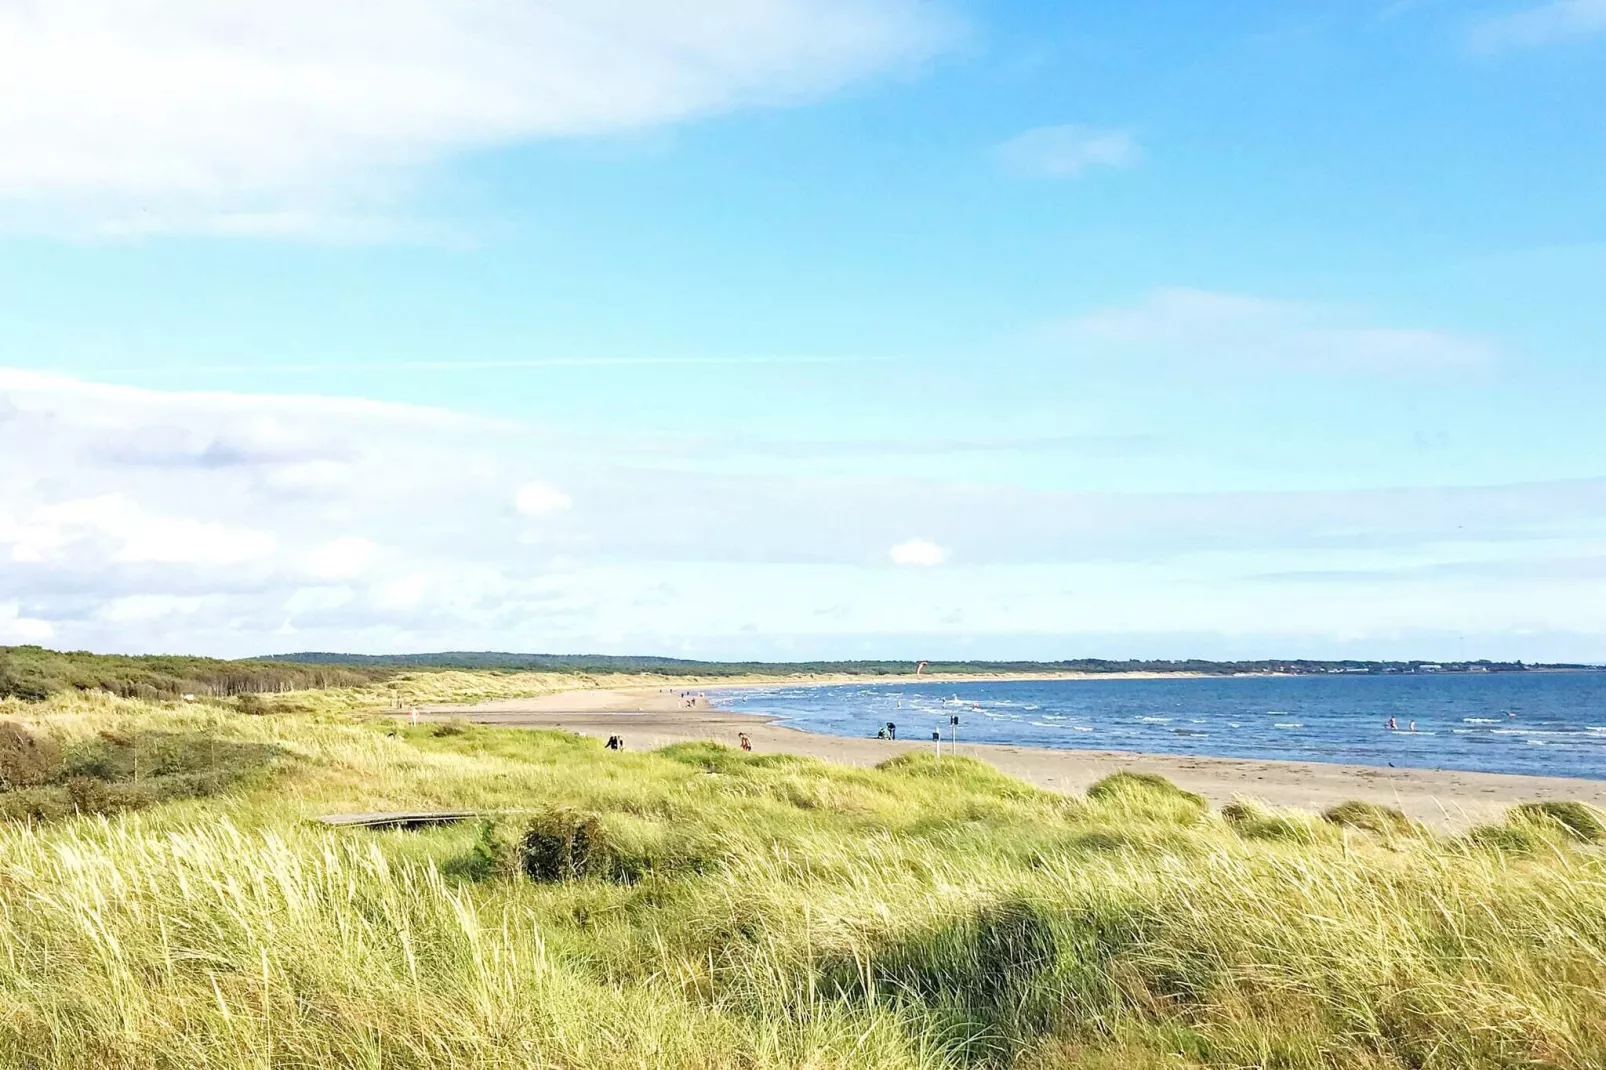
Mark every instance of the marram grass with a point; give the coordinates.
(698, 907)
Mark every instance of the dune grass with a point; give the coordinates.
(700, 907)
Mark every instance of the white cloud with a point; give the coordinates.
(235, 116)
(403, 592)
(918, 552)
(130, 534)
(1549, 23)
(15, 628)
(340, 559)
(1067, 151)
(318, 599)
(148, 607)
(674, 559)
(540, 499)
(1186, 328)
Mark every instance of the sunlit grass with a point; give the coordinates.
(764, 911)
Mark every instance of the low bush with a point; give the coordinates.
(115, 770)
(27, 758)
(560, 844)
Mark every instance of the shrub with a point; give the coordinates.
(33, 673)
(89, 795)
(557, 845)
(26, 759)
(34, 804)
(115, 771)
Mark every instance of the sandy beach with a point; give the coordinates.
(650, 717)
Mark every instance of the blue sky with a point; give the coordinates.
(805, 328)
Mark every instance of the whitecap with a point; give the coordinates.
(1288, 724)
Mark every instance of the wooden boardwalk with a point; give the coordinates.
(399, 819)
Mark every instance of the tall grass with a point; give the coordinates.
(768, 911)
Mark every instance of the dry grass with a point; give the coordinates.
(765, 911)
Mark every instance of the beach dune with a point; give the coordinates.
(651, 717)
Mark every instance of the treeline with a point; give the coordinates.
(33, 673)
(607, 663)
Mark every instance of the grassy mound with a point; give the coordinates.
(1251, 819)
(1370, 817)
(1578, 820)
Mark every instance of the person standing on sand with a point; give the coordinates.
(746, 743)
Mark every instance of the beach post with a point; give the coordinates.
(936, 742)
(953, 732)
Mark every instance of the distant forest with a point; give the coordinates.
(32, 672)
(494, 661)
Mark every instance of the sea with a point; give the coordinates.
(1548, 723)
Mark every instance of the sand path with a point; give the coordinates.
(651, 717)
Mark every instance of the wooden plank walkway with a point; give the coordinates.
(399, 819)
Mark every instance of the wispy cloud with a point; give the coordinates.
(1549, 23)
(1067, 151)
(1214, 332)
(347, 524)
(301, 117)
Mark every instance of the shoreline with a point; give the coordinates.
(650, 717)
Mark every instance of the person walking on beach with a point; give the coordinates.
(747, 744)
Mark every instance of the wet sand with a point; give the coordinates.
(651, 717)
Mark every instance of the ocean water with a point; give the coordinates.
(1545, 723)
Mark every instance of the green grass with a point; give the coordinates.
(700, 907)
